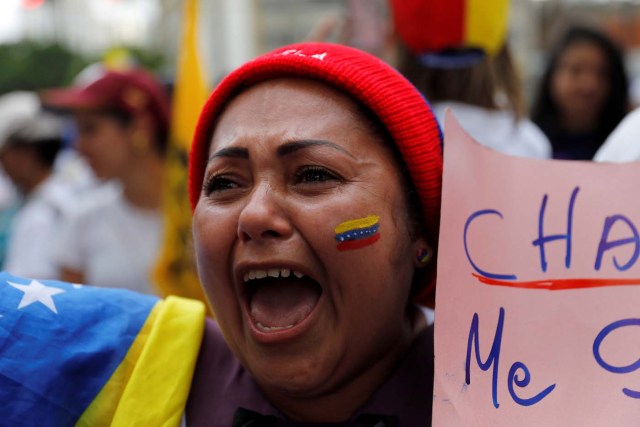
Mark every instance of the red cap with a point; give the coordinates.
(398, 104)
(133, 91)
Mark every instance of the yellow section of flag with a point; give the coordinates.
(486, 24)
(151, 385)
(175, 272)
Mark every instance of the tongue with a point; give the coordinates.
(283, 302)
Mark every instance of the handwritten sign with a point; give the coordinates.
(538, 297)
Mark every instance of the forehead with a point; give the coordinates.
(290, 106)
(581, 48)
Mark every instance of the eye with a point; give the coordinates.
(314, 174)
(218, 183)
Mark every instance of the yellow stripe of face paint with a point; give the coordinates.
(486, 24)
(357, 223)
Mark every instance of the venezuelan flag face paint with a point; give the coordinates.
(358, 233)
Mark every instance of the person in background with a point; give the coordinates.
(27, 155)
(122, 121)
(583, 93)
(14, 107)
(472, 73)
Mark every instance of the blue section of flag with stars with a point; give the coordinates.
(59, 345)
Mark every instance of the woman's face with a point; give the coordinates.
(580, 84)
(104, 142)
(290, 161)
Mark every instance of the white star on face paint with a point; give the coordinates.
(37, 292)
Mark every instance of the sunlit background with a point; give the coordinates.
(233, 31)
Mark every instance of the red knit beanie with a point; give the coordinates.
(399, 106)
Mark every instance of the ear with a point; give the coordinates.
(141, 132)
(423, 254)
(141, 123)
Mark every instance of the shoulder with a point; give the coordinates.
(537, 143)
(500, 130)
(94, 206)
(622, 145)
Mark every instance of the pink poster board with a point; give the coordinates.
(538, 296)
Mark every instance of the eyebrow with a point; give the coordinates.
(231, 152)
(284, 150)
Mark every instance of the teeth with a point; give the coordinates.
(272, 272)
(272, 328)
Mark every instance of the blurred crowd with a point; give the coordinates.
(83, 167)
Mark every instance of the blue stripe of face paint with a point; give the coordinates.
(358, 233)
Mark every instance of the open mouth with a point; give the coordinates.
(279, 299)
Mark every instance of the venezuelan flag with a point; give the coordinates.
(358, 233)
(79, 355)
(427, 26)
(175, 269)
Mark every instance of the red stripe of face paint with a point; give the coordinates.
(357, 244)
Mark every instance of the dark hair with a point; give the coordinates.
(545, 112)
(42, 135)
(160, 133)
(476, 84)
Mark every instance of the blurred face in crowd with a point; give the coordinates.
(105, 142)
(580, 84)
(17, 162)
(293, 163)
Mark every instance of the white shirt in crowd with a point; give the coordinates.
(623, 145)
(32, 240)
(498, 129)
(112, 242)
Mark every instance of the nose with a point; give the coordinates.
(263, 217)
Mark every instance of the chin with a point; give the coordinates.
(295, 379)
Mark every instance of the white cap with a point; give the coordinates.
(15, 107)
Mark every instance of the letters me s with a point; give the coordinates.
(538, 295)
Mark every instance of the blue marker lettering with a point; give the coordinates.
(616, 369)
(494, 355)
(466, 248)
(605, 244)
(542, 239)
(513, 378)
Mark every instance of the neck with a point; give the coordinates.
(341, 403)
(579, 123)
(143, 184)
(35, 178)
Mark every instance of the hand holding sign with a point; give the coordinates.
(538, 302)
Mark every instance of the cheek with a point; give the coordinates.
(560, 85)
(213, 236)
(362, 240)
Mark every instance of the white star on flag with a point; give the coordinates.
(37, 292)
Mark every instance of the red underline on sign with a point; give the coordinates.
(558, 284)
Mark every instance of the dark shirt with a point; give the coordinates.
(227, 385)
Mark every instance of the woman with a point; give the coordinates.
(583, 93)
(315, 177)
(122, 121)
